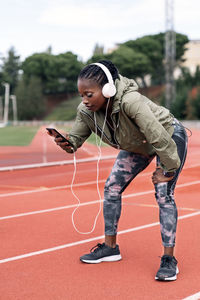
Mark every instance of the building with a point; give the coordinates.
(192, 55)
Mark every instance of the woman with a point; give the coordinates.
(114, 109)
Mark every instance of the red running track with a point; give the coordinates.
(40, 249)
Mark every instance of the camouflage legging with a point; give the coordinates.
(127, 166)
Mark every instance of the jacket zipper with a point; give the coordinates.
(102, 132)
(115, 127)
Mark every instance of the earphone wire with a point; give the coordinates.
(97, 176)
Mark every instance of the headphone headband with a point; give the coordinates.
(106, 71)
(109, 89)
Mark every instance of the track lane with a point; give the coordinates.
(59, 275)
(58, 228)
(47, 198)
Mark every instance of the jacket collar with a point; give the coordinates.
(123, 86)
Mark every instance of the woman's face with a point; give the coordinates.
(91, 94)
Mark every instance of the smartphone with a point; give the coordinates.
(57, 134)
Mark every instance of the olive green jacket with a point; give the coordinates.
(140, 125)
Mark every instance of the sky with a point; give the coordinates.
(31, 26)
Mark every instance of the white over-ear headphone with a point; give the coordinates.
(109, 89)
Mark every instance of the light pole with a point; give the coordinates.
(14, 105)
(1, 109)
(6, 106)
(170, 53)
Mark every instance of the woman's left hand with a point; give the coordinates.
(158, 176)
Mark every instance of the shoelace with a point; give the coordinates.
(97, 247)
(166, 261)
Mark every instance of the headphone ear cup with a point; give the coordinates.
(108, 90)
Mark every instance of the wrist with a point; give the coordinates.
(169, 174)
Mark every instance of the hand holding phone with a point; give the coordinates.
(62, 140)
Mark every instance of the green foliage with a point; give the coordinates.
(196, 107)
(178, 107)
(130, 62)
(10, 69)
(187, 106)
(96, 57)
(58, 73)
(188, 78)
(181, 41)
(48, 74)
(68, 69)
(30, 101)
(152, 46)
(65, 111)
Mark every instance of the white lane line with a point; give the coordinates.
(193, 297)
(55, 163)
(5, 260)
(46, 189)
(89, 203)
(59, 187)
(156, 206)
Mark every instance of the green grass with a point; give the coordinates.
(65, 111)
(23, 135)
(17, 136)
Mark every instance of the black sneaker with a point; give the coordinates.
(101, 252)
(168, 268)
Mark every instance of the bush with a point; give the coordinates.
(178, 107)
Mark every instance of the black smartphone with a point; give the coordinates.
(57, 134)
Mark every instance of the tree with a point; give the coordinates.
(187, 102)
(41, 65)
(153, 46)
(97, 57)
(178, 107)
(196, 106)
(68, 68)
(131, 63)
(10, 68)
(30, 101)
(58, 73)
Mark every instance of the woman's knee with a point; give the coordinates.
(163, 194)
(112, 190)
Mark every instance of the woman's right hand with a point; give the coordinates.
(64, 145)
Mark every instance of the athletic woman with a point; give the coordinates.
(113, 108)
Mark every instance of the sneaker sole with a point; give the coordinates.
(168, 278)
(107, 259)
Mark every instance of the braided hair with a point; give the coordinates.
(95, 73)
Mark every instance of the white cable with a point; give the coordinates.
(74, 174)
